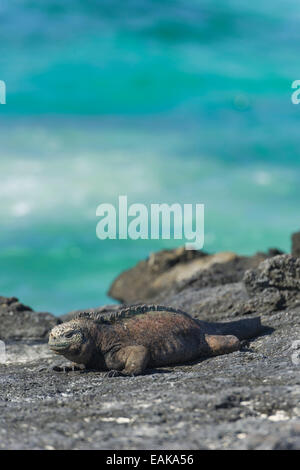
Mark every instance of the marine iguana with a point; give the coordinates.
(134, 338)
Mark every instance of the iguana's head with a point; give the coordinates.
(73, 340)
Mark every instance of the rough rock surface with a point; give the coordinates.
(136, 283)
(225, 301)
(244, 400)
(17, 321)
(214, 292)
(174, 270)
(280, 275)
(102, 309)
(296, 245)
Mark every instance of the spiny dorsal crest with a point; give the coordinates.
(126, 312)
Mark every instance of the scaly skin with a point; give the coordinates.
(145, 336)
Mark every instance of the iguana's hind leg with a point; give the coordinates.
(129, 360)
(218, 344)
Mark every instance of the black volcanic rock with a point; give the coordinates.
(245, 400)
(149, 277)
(19, 322)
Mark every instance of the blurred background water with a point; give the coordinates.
(164, 101)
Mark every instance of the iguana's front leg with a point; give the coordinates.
(129, 360)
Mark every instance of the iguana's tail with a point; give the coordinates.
(242, 329)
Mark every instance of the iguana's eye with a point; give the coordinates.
(68, 335)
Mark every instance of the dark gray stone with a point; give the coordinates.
(142, 282)
(278, 276)
(245, 400)
(172, 271)
(225, 301)
(296, 245)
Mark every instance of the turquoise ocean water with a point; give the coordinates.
(164, 101)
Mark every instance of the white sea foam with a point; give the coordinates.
(63, 171)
